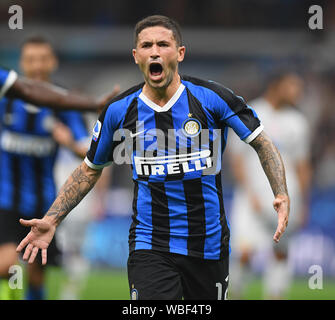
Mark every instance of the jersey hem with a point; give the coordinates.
(183, 252)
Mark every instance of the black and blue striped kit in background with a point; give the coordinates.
(28, 153)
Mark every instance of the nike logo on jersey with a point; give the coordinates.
(132, 135)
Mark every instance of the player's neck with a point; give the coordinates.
(161, 96)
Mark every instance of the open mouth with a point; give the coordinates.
(155, 69)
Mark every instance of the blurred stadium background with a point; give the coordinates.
(234, 42)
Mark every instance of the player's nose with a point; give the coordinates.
(154, 54)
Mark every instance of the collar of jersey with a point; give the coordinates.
(168, 105)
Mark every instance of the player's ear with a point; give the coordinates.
(181, 53)
(134, 55)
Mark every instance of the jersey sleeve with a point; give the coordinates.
(7, 79)
(102, 146)
(231, 110)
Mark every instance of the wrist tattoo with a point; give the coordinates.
(72, 192)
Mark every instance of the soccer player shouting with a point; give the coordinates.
(179, 238)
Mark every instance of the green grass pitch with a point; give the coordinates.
(113, 285)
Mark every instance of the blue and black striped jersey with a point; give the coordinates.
(175, 152)
(7, 79)
(27, 155)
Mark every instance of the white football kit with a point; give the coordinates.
(288, 129)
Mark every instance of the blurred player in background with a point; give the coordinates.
(27, 156)
(252, 217)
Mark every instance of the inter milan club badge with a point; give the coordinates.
(191, 127)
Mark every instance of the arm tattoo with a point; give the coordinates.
(73, 191)
(272, 163)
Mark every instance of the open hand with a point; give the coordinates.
(282, 206)
(39, 237)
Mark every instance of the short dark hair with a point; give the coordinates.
(158, 20)
(36, 39)
(277, 75)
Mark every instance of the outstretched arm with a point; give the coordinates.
(45, 94)
(274, 169)
(42, 231)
